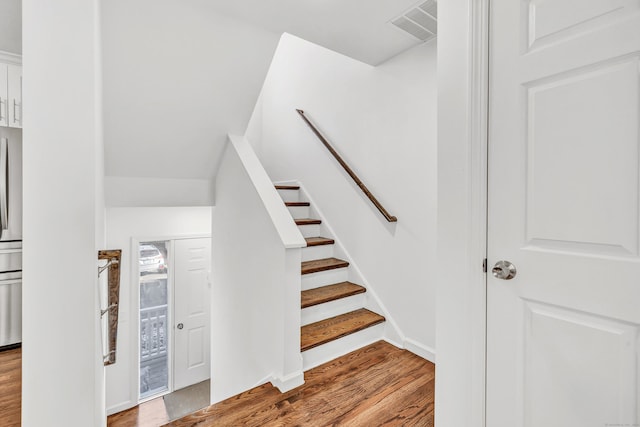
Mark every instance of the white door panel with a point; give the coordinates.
(564, 196)
(192, 360)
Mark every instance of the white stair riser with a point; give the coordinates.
(299, 211)
(317, 252)
(310, 230)
(323, 278)
(290, 195)
(331, 350)
(332, 309)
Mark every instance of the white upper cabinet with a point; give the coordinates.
(10, 90)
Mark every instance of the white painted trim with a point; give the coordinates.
(279, 214)
(134, 321)
(10, 58)
(394, 343)
(172, 237)
(478, 178)
(288, 382)
(392, 330)
(119, 407)
(462, 135)
(421, 350)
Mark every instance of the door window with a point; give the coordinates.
(154, 318)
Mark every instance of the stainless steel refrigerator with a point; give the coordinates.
(10, 242)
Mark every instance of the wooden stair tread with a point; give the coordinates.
(287, 187)
(323, 264)
(336, 327)
(307, 221)
(294, 204)
(318, 241)
(328, 293)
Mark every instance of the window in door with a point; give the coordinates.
(154, 318)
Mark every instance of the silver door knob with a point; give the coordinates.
(504, 270)
(180, 326)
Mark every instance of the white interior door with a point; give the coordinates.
(564, 186)
(191, 312)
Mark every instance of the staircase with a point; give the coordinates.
(334, 318)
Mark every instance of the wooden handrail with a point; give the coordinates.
(346, 167)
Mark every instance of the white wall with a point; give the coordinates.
(255, 305)
(63, 376)
(461, 247)
(100, 217)
(123, 225)
(11, 26)
(178, 77)
(383, 122)
(158, 192)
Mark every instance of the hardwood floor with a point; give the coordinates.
(379, 385)
(148, 414)
(10, 387)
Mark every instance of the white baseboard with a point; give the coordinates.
(394, 343)
(289, 382)
(420, 349)
(122, 406)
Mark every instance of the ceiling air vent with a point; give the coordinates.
(420, 21)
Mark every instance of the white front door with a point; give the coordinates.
(191, 313)
(563, 335)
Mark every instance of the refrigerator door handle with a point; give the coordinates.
(4, 185)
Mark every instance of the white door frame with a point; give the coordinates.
(135, 308)
(479, 153)
(463, 76)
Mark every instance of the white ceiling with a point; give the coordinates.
(356, 28)
(179, 75)
(177, 78)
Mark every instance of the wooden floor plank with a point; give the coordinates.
(380, 408)
(10, 387)
(296, 204)
(149, 414)
(328, 293)
(287, 187)
(376, 385)
(324, 264)
(351, 392)
(327, 330)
